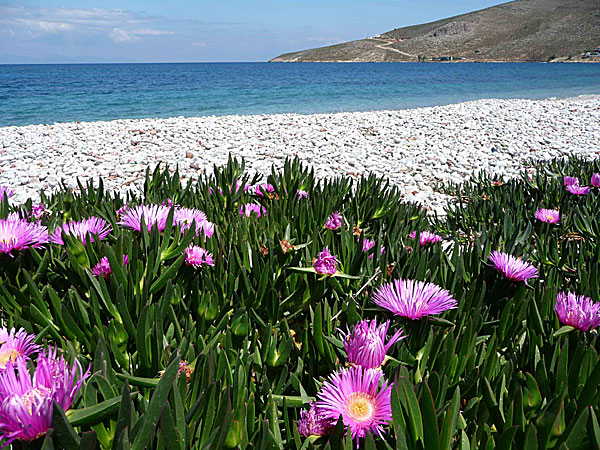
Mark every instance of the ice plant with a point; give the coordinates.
(578, 190)
(301, 194)
(368, 245)
(312, 423)
(38, 211)
(26, 402)
(513, 268)
(365, 345)
(197, 257)
(184, 217)
(18, 234)
(325, 263)
(426, 238)
(94, 226)
(334, 221)
(595, 181)
(570, 181)
(150, 214)
(6, 192)
(355, 394)
(547, 215)
(102, 269)
(577, 311)
(16, 345)
(252, 208)
(413, 299)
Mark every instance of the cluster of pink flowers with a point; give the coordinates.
(334, 221)
(26, 401)
(325, 263)
(572, 185)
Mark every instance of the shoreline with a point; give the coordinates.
(417, 149)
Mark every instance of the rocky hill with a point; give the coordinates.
(521, 30)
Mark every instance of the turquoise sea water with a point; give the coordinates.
(32, 94)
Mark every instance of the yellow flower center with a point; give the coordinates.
(10, 354)
(8, 239)
(33, 397)
(360, 407)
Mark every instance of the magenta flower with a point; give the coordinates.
(312, 423)
(595, 181)
(325, 263)
(18, 234)
(252, 208)
(16, 345)
(548, 215)
(26, 402)
(577, 311)
(578, 190)
(211, 191)
(102, 269)
(150, 214)
(197, 257)
(355, 394)
(301, 194)
(184, 217)
(38, 211)
(334, 221)
(94, 226)
(413, 299)
(368, 245)
(238, 185)
(6, 192)
(122, 210)
(513, 268)
(263, 187)
(425, 238)
(168, 202)
(570, 181)
(366, 346)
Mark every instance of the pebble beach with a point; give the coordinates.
(417, 149)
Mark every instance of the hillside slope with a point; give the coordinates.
(521, 30)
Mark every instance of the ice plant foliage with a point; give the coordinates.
(413, 299)
(548, 215)
(312, 423)
(16, 345)
(325, 263)
(577, 311)
(334, 221)
(578, 190)
(26, 402)
(102, 269)
(357, 396)
(249, 209)
(365, 345)
(92, 227)
(151, 215)
(426, 238)
(18, 234)
(513, 268)
(197, 257)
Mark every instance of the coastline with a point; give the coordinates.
(417, 149)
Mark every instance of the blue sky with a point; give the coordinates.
(202, 30)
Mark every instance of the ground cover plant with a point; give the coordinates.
(297, 313)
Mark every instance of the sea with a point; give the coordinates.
(49, 93)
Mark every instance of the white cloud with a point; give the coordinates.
(199, 44)
(152, 32)
(120, 36)
(44, 26)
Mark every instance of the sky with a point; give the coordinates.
(65, 31)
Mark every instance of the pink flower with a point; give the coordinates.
(94, 226)
(301, 194)
(513, 268)
(334, 221)
(18, 234)
(570, 181)
(578, 190)
(103, 267)
(358, 396)
(413, 299)
(252, 208)
(426, 238)
(197, 257)
(150, 214)
(312, 423)
(263, 187)
(325, 263)
(16, 345)
(366, 345)
(577, 311)
(595, 180)
(547, 215)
